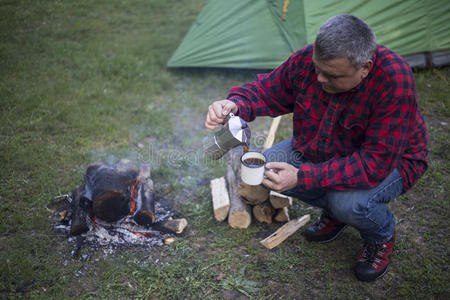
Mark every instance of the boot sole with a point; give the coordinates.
(376, 278)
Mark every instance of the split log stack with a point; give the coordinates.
(238, 201)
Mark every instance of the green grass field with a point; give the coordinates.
(85, 81)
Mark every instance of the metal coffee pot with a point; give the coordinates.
(234, 133)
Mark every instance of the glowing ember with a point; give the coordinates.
(134, 189)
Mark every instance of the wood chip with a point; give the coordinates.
(168, 241)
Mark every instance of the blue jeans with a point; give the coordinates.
(365, 210)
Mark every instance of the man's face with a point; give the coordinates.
(337, 75)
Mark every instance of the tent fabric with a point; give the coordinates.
(258, 34)
(240, 34)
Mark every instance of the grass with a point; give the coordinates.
(82, 81)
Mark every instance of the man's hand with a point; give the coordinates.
(280, 176)
(218, 112)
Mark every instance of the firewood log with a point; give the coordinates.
(253, 194)
(264, 212)
(79, 213)
(171, 225)
(220, 198)
(284, 232)
(239, 215)
(144, 198)
(279, 200)
(282, 215)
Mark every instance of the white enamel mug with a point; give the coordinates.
(252, 167)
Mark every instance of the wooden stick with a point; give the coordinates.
(220, 199)
(272, 131)
(284, 232)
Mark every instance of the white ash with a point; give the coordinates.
(123, 233)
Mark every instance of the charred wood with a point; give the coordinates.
(144, 198)
(79, 209)
(108, 188)
(111, 205)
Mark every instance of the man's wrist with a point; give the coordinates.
(236, 102)
(305, 176)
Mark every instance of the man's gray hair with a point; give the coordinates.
(345, 36)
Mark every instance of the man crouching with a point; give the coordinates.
(359, 140)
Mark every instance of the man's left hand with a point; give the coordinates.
(280, 176)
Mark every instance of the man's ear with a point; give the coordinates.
(366, 68)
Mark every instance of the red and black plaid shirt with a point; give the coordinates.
(351, 140)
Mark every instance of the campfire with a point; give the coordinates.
(116, 206)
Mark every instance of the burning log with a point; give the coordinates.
(111, 206)
(79, 212)
(108, 188)
(116, 205)
(143, 202)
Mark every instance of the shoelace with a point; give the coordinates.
(321, 222)
(372, 254)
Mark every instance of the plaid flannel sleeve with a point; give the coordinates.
(386, 139)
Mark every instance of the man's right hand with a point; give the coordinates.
(218, 112)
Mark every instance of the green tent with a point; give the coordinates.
(261, 34)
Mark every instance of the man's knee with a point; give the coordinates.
(347, 207)
(279, 152)
(352, 206)
(283, 152)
